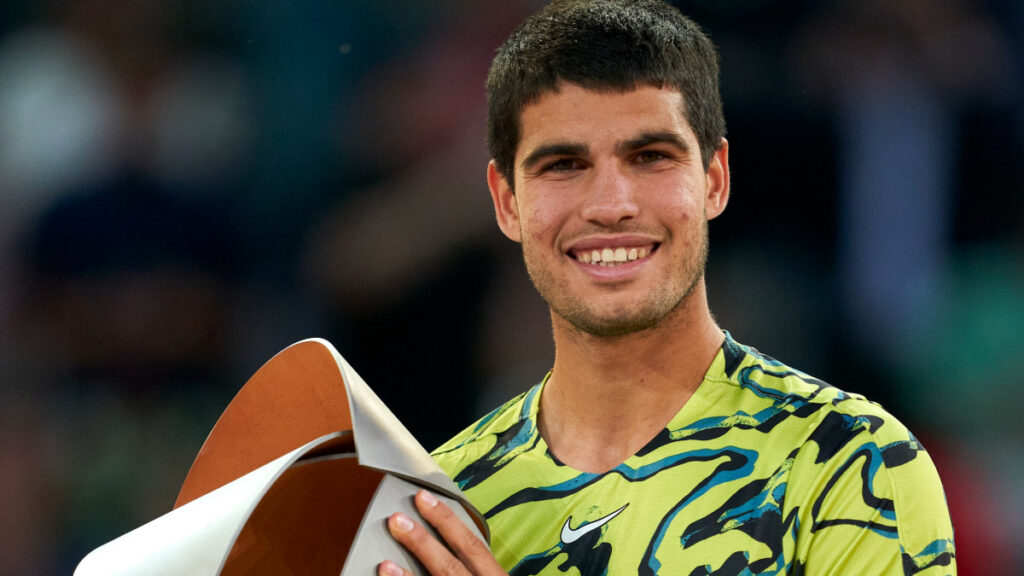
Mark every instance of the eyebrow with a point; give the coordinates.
(574, 149)
(555, 149)
(648, 138)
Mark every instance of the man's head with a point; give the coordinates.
(603, 45)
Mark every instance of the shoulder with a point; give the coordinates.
(863, 477)
(773, 381)
(839, 424)
(856, 473)
(829, 416)
(494, 438)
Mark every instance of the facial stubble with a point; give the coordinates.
(662, 302)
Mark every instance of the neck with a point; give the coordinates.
(609, 396)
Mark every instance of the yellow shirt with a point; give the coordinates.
(765, 470)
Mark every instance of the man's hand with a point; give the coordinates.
(472, 558)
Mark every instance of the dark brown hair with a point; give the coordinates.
(610, 45)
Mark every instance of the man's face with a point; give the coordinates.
(611, 205)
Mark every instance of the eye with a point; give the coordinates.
(649, 156)
(563, 165)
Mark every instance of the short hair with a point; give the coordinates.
(604, 45)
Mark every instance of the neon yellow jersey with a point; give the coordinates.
(765, 470)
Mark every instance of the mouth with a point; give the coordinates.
(611, 256)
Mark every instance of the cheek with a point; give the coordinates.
(542, 221)
(684, 205)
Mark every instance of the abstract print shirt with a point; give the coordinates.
(765, 470)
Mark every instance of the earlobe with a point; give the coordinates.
(506, 209)
(718, 182)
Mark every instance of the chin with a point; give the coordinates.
(623, 320)
(619, 325)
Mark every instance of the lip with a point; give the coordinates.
(617, 273)
(599, 242)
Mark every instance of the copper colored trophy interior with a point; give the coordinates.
(307, 521)
(297, 396)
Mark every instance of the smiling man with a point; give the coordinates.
(657, 443)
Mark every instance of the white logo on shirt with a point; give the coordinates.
(570, 534)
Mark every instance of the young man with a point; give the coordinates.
(657, 443)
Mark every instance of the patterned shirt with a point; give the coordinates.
(765, 470)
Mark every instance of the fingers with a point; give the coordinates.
(389, 568)
(471, 556)
(437, 559)
(473, 553)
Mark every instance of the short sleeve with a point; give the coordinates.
(868, 501)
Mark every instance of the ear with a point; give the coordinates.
(506, 209)
(717, 182)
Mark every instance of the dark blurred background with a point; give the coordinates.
(188, 187)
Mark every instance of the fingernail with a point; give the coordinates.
(403, 523)
(427, 498)
(390, 568)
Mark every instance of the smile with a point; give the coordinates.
(612, 256)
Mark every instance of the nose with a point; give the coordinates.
(611, 197)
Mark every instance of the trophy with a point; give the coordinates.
(298, 476)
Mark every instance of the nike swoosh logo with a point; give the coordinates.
(570, 534)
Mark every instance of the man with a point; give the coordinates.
(657, 443)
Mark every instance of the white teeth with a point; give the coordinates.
(612, 256)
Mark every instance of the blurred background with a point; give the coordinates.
(188, 187)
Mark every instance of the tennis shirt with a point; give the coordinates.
(765, 470)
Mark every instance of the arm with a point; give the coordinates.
(464, 554)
